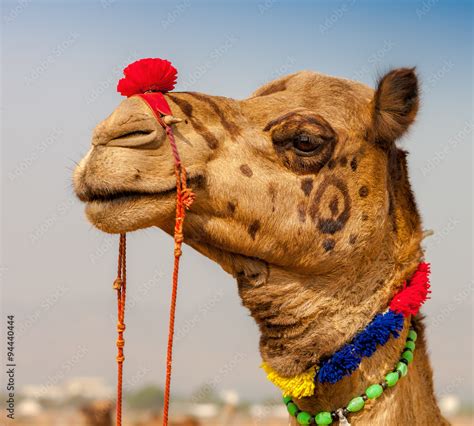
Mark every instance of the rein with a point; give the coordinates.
(157, 76)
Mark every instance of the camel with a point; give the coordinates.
(303, 196)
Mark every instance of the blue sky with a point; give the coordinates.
(60, 65)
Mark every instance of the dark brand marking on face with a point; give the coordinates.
(331, 164)
(329, 244)
(199, 127)
(254, 228)
(343, 161)
(363, 191)
(246, 170)
(272, 192)
(334, 206)
(302, 212)
(307, 186)
(354, 164)
(328, 219)
(231, 207)
(231, 127)
(352, 239)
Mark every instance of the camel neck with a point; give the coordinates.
(303, 319)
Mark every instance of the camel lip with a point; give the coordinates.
(91, 195)
(122, 196)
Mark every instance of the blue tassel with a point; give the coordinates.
(348, 358)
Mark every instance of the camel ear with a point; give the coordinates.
(395, 104)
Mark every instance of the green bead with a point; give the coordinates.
(323, 418)
(292, 408)
(391, 379)
(408, 355)
(374, 391)
(410, 345)
(412, 335)
(355, 404)
(304, 418)
(287, 399)
(402, 368)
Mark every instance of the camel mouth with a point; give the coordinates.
(122, 196)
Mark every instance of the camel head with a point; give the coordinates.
(304, 174)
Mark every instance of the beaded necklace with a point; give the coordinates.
(358, 403)
(345, 361)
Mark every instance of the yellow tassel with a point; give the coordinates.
(298, 386)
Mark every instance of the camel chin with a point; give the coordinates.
(131, 213)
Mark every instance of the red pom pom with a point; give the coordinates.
(147, 75)
(409, 300)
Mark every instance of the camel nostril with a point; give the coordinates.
(134, 138)
(134, 134)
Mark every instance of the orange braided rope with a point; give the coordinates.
(184, 199)
(120, 284)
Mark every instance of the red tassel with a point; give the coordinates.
(148, 75)
(409, 300)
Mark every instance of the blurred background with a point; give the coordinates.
(61, 61)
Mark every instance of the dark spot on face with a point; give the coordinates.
(229, 126)
(231, 207)
(330, 224)
(343, 161)
(301, 212)
(186, 121)
(352, 239)
(354, 164)
(365, 217)
(331, 164)
(253, 229)
(246, 170)
(363, 191)
(137, 176)
(198, 126)
(334, 206)
(329, 244)
(307, 186)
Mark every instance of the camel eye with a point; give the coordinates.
(306, 145)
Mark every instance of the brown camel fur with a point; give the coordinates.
(303, 196)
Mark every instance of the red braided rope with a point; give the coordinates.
(184, 199)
